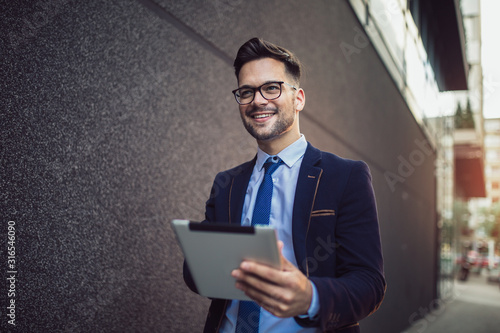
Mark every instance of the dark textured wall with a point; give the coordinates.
(116, 116)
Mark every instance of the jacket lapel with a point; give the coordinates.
(305, 195)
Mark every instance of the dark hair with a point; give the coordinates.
(257, 48)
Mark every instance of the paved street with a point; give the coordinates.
(474, 308)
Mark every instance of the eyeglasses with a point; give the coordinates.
(269, 90)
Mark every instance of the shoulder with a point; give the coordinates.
(224, 179)
(330, 161)
(237, 170)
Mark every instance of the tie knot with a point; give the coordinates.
(272, 163)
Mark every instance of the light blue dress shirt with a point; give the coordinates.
(284, 185)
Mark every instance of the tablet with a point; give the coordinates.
(213, 250)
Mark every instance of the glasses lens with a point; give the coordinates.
(271, 90)
(244, 95)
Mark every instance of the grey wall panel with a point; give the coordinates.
(117, 115)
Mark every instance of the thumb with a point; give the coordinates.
(280, 246)
(285, 264)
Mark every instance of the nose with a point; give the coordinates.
(259, 99)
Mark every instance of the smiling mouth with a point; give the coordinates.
(261, 116)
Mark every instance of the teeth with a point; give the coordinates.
(262, 116)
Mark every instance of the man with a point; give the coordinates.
(321, 205)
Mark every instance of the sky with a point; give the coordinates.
(490, 28)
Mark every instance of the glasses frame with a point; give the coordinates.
(259, 88)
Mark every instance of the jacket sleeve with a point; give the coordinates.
(358, 287)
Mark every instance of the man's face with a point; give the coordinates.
(269, 119)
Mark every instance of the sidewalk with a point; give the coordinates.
(474, 308)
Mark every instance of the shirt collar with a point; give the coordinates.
(290, 155)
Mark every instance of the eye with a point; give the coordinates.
(271, 88)
(245, 93)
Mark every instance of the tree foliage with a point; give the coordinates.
(464, 118)
(461, 215)
(491, 220)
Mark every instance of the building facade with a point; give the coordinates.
(492, 160)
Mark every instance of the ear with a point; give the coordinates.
(300, 100)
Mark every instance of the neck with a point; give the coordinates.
(275, 145)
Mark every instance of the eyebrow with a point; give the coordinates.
(266, 82)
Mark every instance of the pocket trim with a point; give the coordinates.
(323, 212)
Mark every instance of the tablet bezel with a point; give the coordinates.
(213, 250)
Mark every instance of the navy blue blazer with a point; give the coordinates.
(335, 232)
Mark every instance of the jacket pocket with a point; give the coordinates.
(323, 212)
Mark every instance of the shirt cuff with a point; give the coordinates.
(313, 311)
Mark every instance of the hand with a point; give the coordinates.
(284, 293)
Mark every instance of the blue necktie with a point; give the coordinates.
(249, 311)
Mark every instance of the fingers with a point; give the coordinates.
(281, 302)
(246, 281)
(261, 283)
(250, 268)
(283, 293)
(271, 299)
